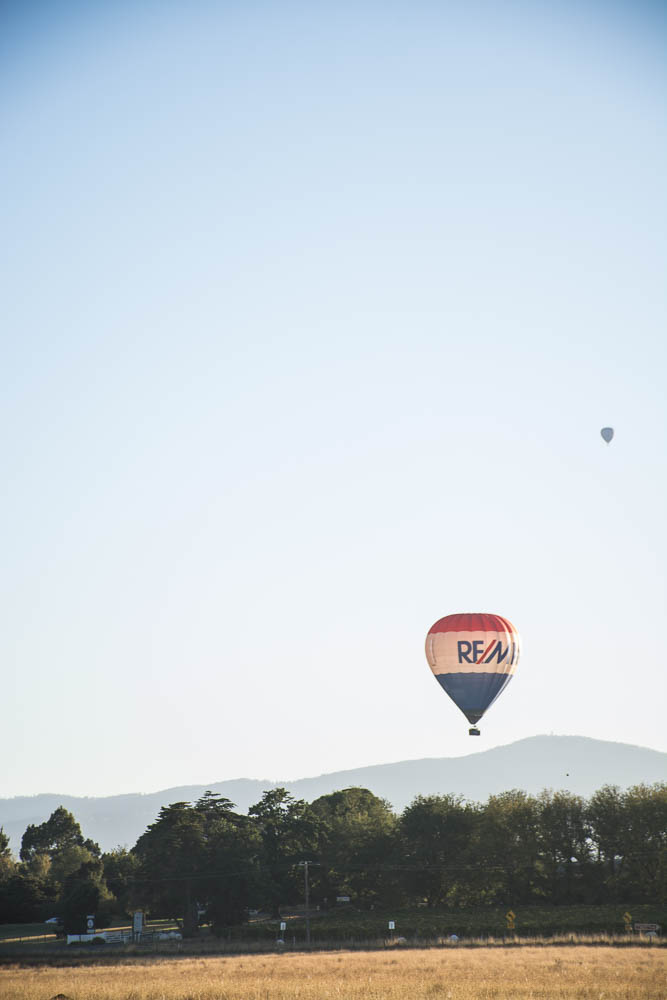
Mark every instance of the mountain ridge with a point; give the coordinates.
(579, 764)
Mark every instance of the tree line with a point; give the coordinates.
(204, 861)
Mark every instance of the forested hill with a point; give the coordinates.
(575, 763)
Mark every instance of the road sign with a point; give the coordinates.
(283, 925)
(90, 923)
(647, 928)
(510, 917)
(392, 925)
(627, 918)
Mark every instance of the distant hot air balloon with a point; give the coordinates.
(473, 657)
(607, 433)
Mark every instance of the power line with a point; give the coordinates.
(351, 867)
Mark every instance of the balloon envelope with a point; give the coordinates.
(473, 657)
(607, 433)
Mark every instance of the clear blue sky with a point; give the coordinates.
(311, 316)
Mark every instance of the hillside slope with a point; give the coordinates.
(573, 762)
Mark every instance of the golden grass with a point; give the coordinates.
(527, 973)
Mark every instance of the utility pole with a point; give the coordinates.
(304, 865)
(305, 876)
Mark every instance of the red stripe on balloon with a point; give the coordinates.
(487, 651)
(478, 622)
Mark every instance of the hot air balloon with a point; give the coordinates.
(607, 433)
(473, 657)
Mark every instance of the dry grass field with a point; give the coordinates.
(526, 973)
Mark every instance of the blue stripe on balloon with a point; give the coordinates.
(473, 693)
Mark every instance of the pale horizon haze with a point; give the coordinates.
(311, 317)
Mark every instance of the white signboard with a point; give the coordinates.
(90, 923)
(392, 925)
(138, 921)
(283, 925)
(113, 937)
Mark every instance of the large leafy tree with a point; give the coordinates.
(59, 832)
(85, 892)
(194, 856)
(55, 849)
(24, 899)
(607, 819)
(566, 845)
(507, 848)
(644, 870)
(355, 833)
(286, 828)
(67, 861)
(232, 852)
(170, 859)
(437, 833)
(120, 870)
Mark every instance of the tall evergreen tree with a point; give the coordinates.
(286, 827)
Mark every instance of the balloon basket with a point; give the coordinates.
(474, 731)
